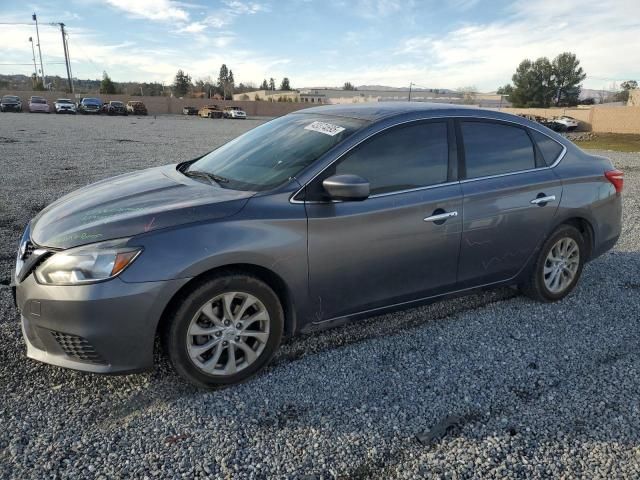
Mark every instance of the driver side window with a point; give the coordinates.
(401, 158)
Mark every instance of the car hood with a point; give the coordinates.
(131, 204)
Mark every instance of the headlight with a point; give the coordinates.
(86, 264)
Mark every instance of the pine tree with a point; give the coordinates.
(106, 85)
(284, 85)
(181, 84)
(272, 84)
(223, 80)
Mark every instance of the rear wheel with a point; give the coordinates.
(224, 331)
(558, 266)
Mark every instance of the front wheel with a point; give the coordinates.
(558, 266)
(224, 331)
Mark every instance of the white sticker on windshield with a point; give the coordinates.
(326, 128)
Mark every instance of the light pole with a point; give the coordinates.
(35, 19)
(35, 68)
(410, 85)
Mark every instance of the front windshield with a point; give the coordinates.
(91, 100)
(63, 100)
(117, 104)
(270, 154)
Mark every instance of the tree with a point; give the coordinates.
(231, 84)
(223, 80)
(543, 83)
(106, 85)
(284, 85)
(532, 84)
(468, 94)
(272, 84)
(348, 86)
(623, 95)
(567, 76)
(181, 84)
(264, 85)
(506, 90)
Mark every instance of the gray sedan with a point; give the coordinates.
(321, 216)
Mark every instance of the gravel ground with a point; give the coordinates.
(536, 390)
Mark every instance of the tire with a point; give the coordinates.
(540, 283)
(208, 369)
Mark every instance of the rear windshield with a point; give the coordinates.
(38, 100)
(270, 154)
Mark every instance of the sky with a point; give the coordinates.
(431, 43)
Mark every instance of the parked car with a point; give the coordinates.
(189, 111)
(136, 107)
(114, 107)
(565, 123)
(90, 105)
(10, 103)
(39, 104)
(234, 112)
(324, 215)
(64, 105)
(210, 111)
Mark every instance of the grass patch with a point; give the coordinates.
(620, 142)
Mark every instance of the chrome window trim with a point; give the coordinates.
(466, 180)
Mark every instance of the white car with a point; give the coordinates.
(569, 123)
(64, 105)
(234, 112)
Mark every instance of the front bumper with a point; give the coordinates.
(11, 107)
(106, 327)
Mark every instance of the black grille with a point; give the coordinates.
(78, 347)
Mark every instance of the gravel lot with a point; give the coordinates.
(540, 390)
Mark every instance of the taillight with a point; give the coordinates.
(616, 177)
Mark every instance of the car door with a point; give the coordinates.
(510, 198)
(399, 244)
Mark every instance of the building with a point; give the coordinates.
(269, 96)
(334, 96)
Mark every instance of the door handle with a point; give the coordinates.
(542, 200)
(441, 216)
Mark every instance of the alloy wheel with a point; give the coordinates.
(561, 265)
(228, 333)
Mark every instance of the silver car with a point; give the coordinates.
(324, 215)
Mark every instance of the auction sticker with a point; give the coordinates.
(326, 128)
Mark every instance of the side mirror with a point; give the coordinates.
(347, 187)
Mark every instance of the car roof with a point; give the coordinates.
(376, 111)
(379, 110)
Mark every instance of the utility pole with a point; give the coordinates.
(35, 68)
(66, 56)
(35, 19)
(410, 85)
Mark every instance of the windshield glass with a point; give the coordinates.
(117, 104)
(38, 100)
(63, 100)
(91, 100)
(270, 154)
(10, 98)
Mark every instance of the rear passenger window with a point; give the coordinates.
(550, 148)
(401, 158)
(495, 148)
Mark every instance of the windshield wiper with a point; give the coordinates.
(212, 177)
